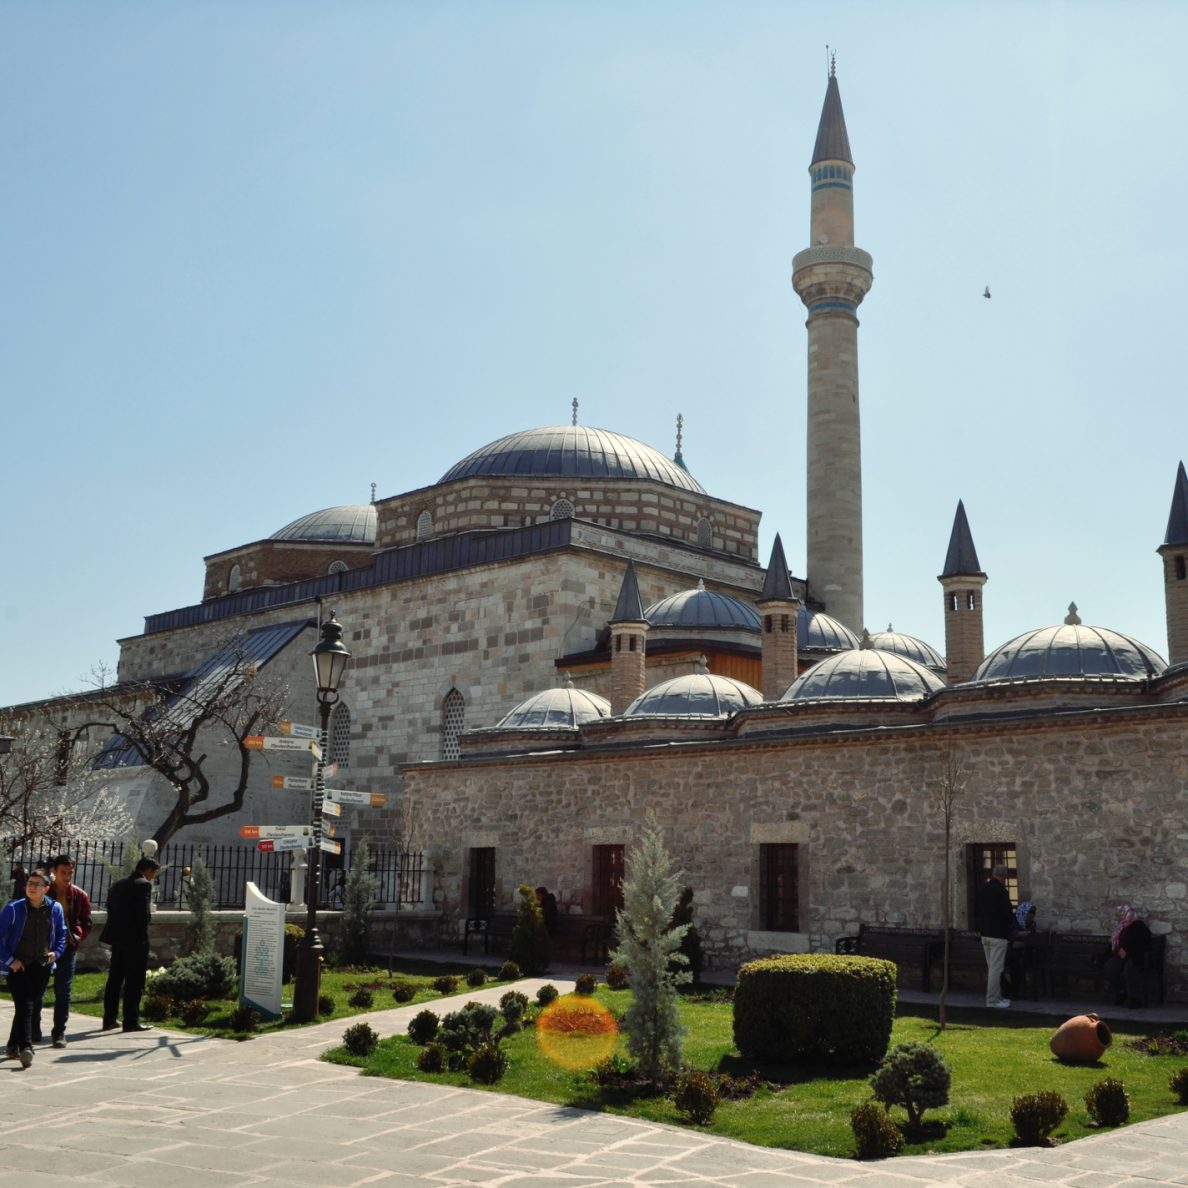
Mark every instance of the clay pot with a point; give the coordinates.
(1081, 1039)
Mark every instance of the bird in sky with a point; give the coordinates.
(986, 292)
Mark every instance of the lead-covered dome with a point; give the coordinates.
(702, 608)
(695, 695)
(1070, 650)
(821, 631)
(572, 451)
(909, 646)
(865, 673)
(556, 709)
(352, 523)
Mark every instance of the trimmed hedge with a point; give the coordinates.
(815, 1008)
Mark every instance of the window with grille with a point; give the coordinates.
(705, 534)
(337, 567)
(981, 858)
(779, 887)
(453, 717)
(340, 736)
(561, 510)
(608, 880)
(481, 897)
(424, 526)
(234, 579)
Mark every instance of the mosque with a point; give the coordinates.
(567, 631)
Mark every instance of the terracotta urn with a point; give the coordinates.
(1081, 1039)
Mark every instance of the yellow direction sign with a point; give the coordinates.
(294, 783)
(331, 809)
(350, 796)
(330, 846)
(296, 730)
(270, 742)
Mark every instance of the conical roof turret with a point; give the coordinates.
(629, 608)
(777, 586)
(962, 557)
(833, 142)
(1177, 520)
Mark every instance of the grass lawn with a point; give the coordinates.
(809, 1110)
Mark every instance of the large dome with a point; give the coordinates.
(556, 709)
(909, 646)
(865, 673)
(819, 630)
(702, 608)
(572, 451)
(697, 695)
(1070, 650)
(352, 523)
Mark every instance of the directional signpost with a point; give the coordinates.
(350, 796)
(277, 845)
(294, 783)
(272, 832)
(296, 730)
(270, 742)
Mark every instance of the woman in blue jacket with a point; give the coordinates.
(32, 937)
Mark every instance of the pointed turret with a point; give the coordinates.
(778, 608)
(629, 631)
(962, 579)
(1174, 552)
(832, 277)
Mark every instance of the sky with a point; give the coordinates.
(256, 256)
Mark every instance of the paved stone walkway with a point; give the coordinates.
(166, 1110)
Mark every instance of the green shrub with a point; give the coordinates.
(432, 1058)
(1036, 1115)
(1178, 1084)
(362, 997)
(467, 1030)
(1108, 1102)
(530, 946)
(509, 971)
(875, 1135)
(546, 994)
(914, 1076)
(487, 1064)
(326, 1005)
(446, 984)
(353, 935)
(815, 1008)
(586, 983)
(360, 1039)
(512, 1007)
(404, 991)
(245, 1019)
(617, 975)
(294, 935)
(201, 975)
(476, 977)
(193, 1012)
(198, 935)
(422, 1028)
(696, 1096)
(691, 941)
(156, 1007)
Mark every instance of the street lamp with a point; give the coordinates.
(330, 660)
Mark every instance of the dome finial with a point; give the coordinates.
(678, 457)
(832, 62)
(373, 492)
(1072, 618)
(865, 639)
(702, 664)
(575, 407)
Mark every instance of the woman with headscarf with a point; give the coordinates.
(1021, 955)
(1127, 966)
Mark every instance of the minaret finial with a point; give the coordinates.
(575, 410)
(832, 63)
(373, 492)
(680, 431)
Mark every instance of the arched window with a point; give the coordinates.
(561, 510)
(705, 534)
(453, 719)
(340, 736)
(424, 526)
(234, 580)
(337, 567)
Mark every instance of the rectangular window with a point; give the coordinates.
(779, 888)
(481, 898)
(608, 880)
(981, 858)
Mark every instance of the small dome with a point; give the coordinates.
(556, 709)
(695, 695)
(352, 523)
(821, 631)
(572, 451)
(909, 646)
(1070, 650)
(702, 608)
(865, 673)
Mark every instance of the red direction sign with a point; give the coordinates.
(275, 845)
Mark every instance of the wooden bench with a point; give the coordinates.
(1023, 964)
(901, 945)
(1084, 954)
(587, 937)
(497, 924)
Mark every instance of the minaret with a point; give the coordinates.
(1174, 552)
(778, 608)
(628, 636)
(831, 277)
(963, 579)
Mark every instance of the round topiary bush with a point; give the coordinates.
(875, 1135)
(815, 1008)
(361, 998)
(446, 984)
(617, 975)
(512, 1007)
(360, 1039)
(422, 1028)
(547, 993)
(404, 992)
(476, 977)
(1178, 1084)
(1035, 1115)
(696, 1096)
(326, 1005)
(914, 1076)
(1108, 1102)
(586, 983)
(193, 1012)
(509, 971)
(487, 1064)
(201, 975)
(432, 1058)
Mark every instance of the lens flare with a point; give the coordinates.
(576, 1032)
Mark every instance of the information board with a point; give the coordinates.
(263, 953)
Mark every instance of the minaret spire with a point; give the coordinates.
(962, 579)
(831, 277)
(1174, 552)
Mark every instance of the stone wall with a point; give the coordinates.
(268, 562)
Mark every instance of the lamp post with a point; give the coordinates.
(330, 659)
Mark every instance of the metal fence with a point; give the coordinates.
(398, 873)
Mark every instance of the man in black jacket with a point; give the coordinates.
(127, 932)
(996, 921)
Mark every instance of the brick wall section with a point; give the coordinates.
(273, 562)
(965, 646)
(1175, 590)
(628, 661)
(779, 647)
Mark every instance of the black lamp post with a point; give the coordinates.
(330, 660)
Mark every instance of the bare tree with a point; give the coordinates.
(178, 730)
(947, 786)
